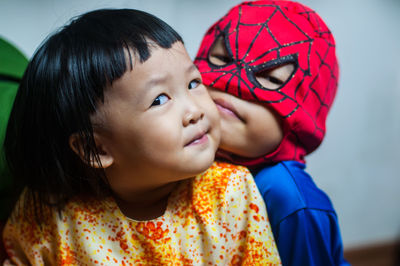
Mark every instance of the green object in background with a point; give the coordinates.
(12, 67)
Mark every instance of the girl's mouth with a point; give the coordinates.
(200, 138)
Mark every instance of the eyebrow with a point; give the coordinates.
(160, 80)
(155, 81)
(192, 68)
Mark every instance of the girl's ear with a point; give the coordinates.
(77, 144)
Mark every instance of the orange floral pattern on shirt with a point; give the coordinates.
(217, 218)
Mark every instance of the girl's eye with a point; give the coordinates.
(160, 100)
(194, 84)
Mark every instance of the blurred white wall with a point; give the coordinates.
(357, 164)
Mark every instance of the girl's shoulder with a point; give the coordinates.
(226, 187)
(227, 170)
(223, 178)
(28, 239)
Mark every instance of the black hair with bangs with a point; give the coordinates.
(60, 90)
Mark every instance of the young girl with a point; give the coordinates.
(109, 127)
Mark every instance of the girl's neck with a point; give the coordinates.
(146, 206)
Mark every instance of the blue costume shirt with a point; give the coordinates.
(302, 217)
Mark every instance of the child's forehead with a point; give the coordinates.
(262, 33)
(266, 24)
(134, 57)
(159, 68)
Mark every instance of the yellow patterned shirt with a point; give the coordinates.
(216, 218)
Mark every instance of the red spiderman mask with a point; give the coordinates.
(261, 35)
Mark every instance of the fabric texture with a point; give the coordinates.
(302, 217)
(260, 35)
(217, 218)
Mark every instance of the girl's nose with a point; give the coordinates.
(192, 115)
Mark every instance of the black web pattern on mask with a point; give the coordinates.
(241, 64)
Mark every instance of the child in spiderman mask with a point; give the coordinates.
(271, 68)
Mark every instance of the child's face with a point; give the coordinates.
(264, 39)
(160, 123)
(248, 129)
